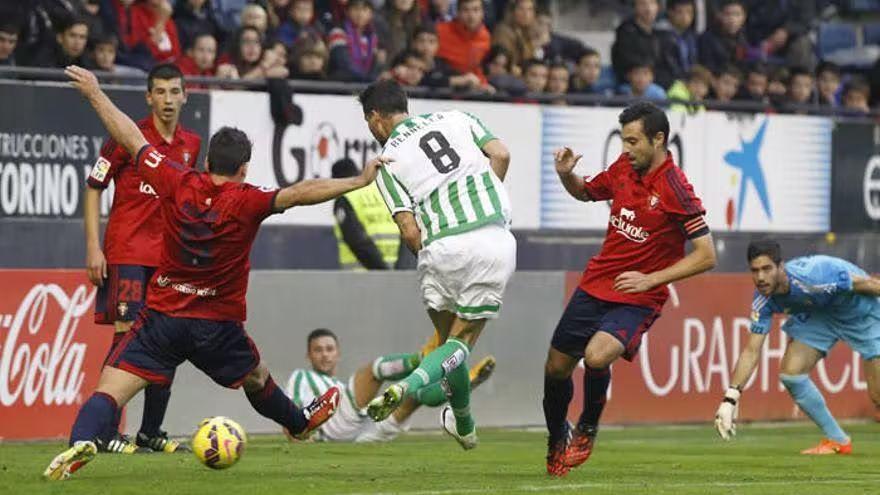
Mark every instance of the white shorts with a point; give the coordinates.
(352, 425)
(466, 273)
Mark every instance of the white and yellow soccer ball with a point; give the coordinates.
(219, 442)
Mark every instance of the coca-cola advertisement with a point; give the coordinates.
(686, 359)
(51, 351)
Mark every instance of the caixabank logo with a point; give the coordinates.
(747, 161)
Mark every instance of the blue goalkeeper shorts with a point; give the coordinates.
(821, 331)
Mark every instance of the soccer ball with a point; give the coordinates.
(218, 442)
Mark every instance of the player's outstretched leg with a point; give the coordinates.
(150, 435)
(269, 400)
(395, 366)
(456, 417)
(810, 400)
(558, 390)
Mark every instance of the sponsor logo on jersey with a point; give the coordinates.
(99, 171)
(153, 159)
(162, 281)
(147, 189)
(624, 223)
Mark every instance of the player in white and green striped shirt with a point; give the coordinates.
(350, 423)
(442, 180)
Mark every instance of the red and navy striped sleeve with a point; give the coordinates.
(683, 205)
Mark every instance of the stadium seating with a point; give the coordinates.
(834, 37)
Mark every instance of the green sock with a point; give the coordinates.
(460, 399)
(439, 363)
(435, 394)
(394, 366)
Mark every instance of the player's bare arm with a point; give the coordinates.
(310, 192)
(700, 259)
(119, 125)
(499, 157)
(868, 286)
(409, 230)
(565, 160)
(96, 263)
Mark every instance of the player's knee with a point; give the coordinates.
(256, 379)
(598, 360)
(875, 396)
(556, 371)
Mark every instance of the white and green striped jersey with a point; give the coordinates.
(441, 175)
(303, 386)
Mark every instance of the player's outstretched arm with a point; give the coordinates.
(499, 157)
(409, 230)
(867, 286)
(565, 161)
(725, 416)
(310, 192)
(119, 125)
(699, 260)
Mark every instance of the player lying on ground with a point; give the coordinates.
(444, 189)
(196, 299)
(133, 240)
(350, 423)
(826, 299)
(653, 212)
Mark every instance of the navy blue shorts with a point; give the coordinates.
(123, 294)
(585, 315)
(157, 344)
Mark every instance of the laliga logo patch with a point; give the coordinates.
(453, 361)
(99, 171)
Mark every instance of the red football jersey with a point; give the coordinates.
(134, 229)
(207, 237)
(651, 218)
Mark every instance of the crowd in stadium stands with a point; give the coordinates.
(753, 50)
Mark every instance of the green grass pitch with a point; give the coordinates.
(654, 460)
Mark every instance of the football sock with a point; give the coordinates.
(394, 366)
(273, 404)
(810, 400)
(436, 365)
(460, 399)
(557, 395)
(95, 419)
(156, 399)
(433, 395)
(595, 389)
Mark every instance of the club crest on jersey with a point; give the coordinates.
(186, 155)
(162, 281)
(624, 222)
(99, 171)
(653, 200)
(122, 309)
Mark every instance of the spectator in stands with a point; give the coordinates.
(69, 47)
(255, 16)
(498, 68)
(725, 84)
(553, 46)
(694, 89)
(299, 22)
(640, 82)
(151, 25)
(309, 59)
(193, 18)
(249, 60)
(440, 11)
(465, 41)
(201, 56)
(535, 74)
(515, 32)
(8, 41)
(800, 86)
(637, 42)
(397, 25)
(777, 87)
(586, 74)
(558, 78)
(117, 16)
(227, 14)
(89, 10)
(856, 95)
(781, 28)
(408, 69)
(354, 46)
(757, 80)
(438, 74)
(276, 11)
(680, 37)
(725, 42)
(104, 57)
(828, 83)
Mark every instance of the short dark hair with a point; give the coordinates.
(164, 72)
(198, 35)
(9, 28)
(384, 97)
(675, 3)
(528, 64)
(403, 56)
(228, 150)
(653, 119)
(826, 66)
(799, 71)
(69, 21)
(360, 3)
(730, 70)
(462, 2)
(106, 39)
(764, 247)
(318, 333)
(760, 68)
(344, 167)
(727, 3)
(857, 84)
(559, 64)
(588, 52)
(424, 29)
(494, 52)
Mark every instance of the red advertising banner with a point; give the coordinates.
(51, 352)
(686, 359)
